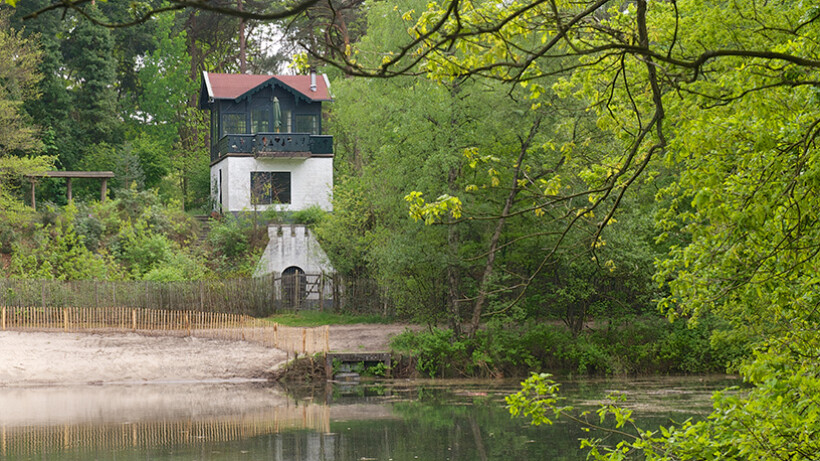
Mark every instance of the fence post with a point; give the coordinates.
(335, 291)
(275, 333)
(273, 292)
(3, 319)
(134, 319)
(65, 318)
(321, 292)
(327, 339)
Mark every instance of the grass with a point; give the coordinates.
(316, 318)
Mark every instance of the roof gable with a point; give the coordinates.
(235, 86)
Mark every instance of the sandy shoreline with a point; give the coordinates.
(57, 358)
(43, 359)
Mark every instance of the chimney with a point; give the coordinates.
(312, 79)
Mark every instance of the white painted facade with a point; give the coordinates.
(292, 245)
(311, 182)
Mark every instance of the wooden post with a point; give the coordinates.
(68, 189)
(33, 198)
(322, 292)
(336, 295)
(327, 339)
(275, 331)
(103, 189)
(3, 318)
(65, 318)
(134, 319)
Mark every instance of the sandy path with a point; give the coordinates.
(45, 359)
(364, 337)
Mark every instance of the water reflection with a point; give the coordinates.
(400, 421)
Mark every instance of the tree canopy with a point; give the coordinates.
(549, 133)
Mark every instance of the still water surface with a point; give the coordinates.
(421, 420)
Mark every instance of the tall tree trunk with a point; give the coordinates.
(453, 278)
(243, 64)
(478, 306)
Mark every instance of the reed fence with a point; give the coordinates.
(39, 440)
(215, 325)
(258, 296)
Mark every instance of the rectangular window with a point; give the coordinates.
(306, 124)
(214, 126)
(269, 187)
(260, 120)
(287, 124)
(233, 124)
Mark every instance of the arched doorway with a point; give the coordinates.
(294, 286)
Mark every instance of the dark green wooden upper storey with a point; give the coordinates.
(244, 115)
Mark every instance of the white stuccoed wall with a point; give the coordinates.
(292, 245)
(311, 182)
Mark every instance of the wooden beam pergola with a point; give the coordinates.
(69, 175)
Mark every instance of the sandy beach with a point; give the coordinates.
(41, 359)
(56, 358)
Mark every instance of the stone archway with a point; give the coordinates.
(294, 286)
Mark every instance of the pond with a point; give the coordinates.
(398, 420)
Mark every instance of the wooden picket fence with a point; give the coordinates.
(258, 296)
(215, 325)
(32, 441)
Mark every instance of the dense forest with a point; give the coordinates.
(602, 166)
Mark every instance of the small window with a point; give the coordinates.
(306, 124)
(269, 187)
(260, 120)
(233, 124)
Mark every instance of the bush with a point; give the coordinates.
(643, 345)
(230, 237)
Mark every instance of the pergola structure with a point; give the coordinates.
(69, 175)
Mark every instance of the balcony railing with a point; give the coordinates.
(280, 145)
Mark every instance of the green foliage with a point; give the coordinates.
(237, 242)
(230, 236)
(307, 318)
(60, 254)
(89, 53)
(378, 370)
(178, 267)
(536, 400)
(19, 77)
(310, 216)
(140, 249)
(134, 236)
(435, 352)
(643, 345)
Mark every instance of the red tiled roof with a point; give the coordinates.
(232, 86)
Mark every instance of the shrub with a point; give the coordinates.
(230, 236)
(643, 345)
